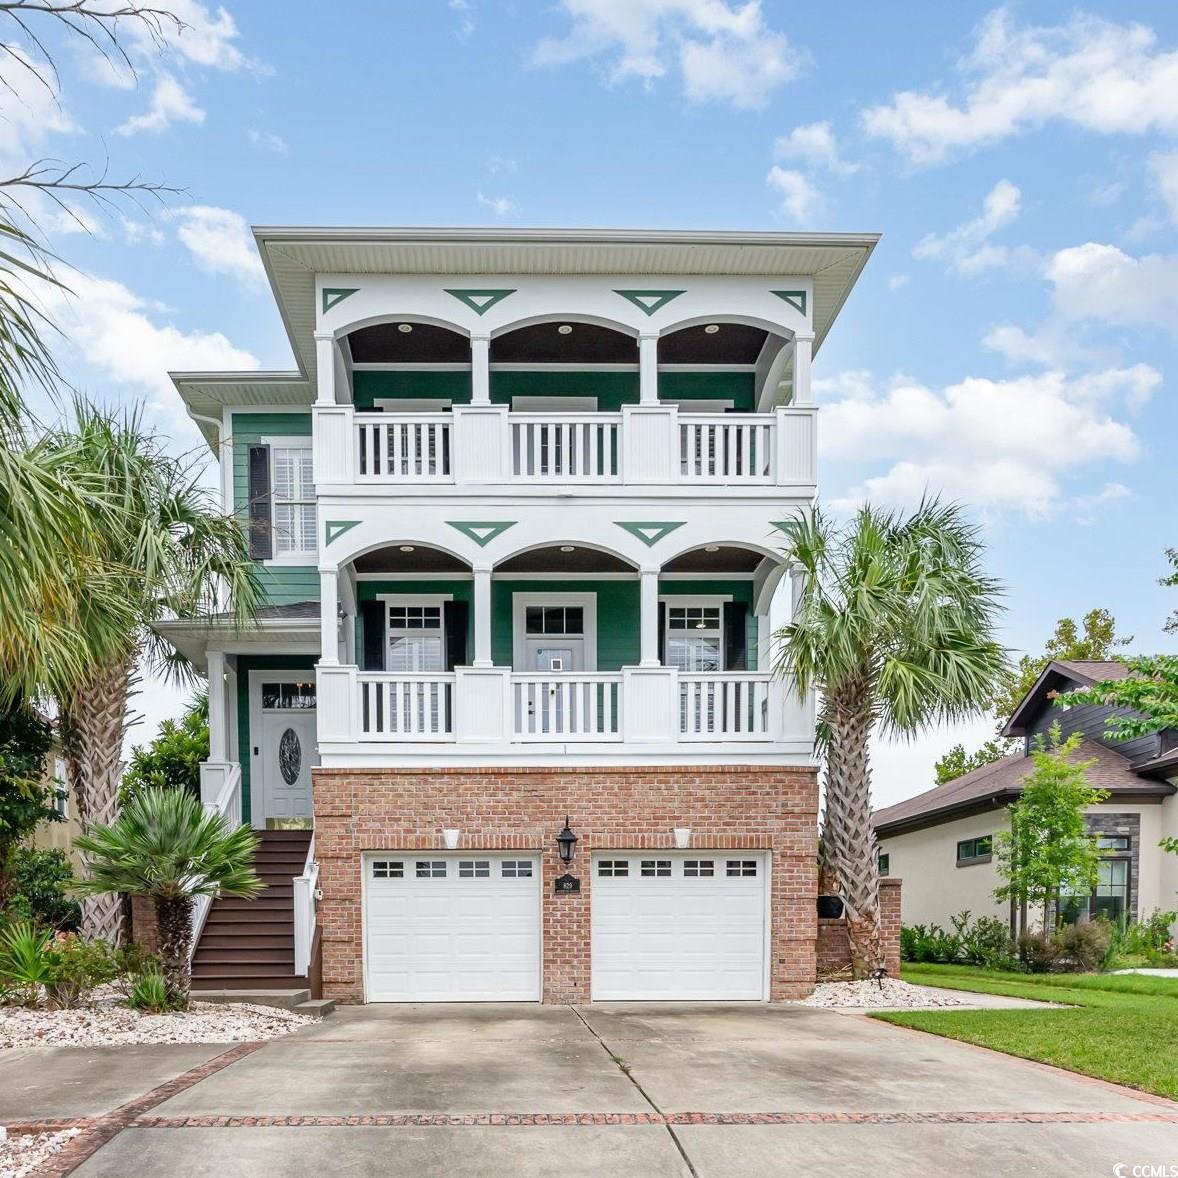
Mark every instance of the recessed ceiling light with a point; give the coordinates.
(712, 548)
(408, 548)
(568, 548)
(405, 327)
(712, 328)
(565, 329)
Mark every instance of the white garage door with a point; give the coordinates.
(452, 928)
(678, 925)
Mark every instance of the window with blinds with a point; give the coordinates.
(293, 496)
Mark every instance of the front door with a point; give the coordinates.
(286, 751)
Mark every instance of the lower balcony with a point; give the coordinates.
(496, 707)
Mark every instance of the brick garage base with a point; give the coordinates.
(729, 807)
(834, 949)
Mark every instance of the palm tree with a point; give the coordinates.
(159, 547)
(165, 847)
(894, 627)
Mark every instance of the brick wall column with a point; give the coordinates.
(144, 929)
(889, 921)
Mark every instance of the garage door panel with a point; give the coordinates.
(689, 930)
(453, 928)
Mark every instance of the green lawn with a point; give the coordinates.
(1124, 1027)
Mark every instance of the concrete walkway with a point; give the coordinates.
(685, 1090)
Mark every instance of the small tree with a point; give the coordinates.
(165, 847)
(957, 762)
(172, 760)
(26, 798)
(1048, 850)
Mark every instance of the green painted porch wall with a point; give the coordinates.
(612, 389)
(367, 386)
(300, 663)
(281, 584)
(739, 387)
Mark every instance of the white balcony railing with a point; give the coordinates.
(576, 448)
(306, 905)
(497, 707)
(643, 444)
(406, 707)
(566, 707)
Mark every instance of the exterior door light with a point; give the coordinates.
(405, 327)
(566, 842)
(568, 548)
(565, 329)
(712, 328)
(408, 548)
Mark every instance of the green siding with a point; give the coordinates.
(367, 386)
(301, 664)
(458, 591)
(612, 389)
(737, 590)
(739, 387)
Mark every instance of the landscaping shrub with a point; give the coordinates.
(24, 967)
(1084, 946)
(928, 942)
(131, 962)
(75, 968)
(150, 993)
(1037, 952)
(1146, 942)
(985, 941)
(40, 881)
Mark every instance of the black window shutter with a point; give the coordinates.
(372, 617)
(260, 529)
(663, 632)
(736, 615)
(455, 619)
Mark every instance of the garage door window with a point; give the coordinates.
(699, 868)
(656, 867)
(609, 868)
(474, 869)
(742, 867)
(431, 870)
(517, 869)
(385, 869)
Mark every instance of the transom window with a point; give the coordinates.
(554, 619)
(656, 867)
(699, 868)
(474, 869)
(695, 640)
(741, 867)
(415, 638)
(287, 696)
(387, 869)
(431, 869)
(1112, 842)
(976, 850)
(292, 489)
(613, 867)
(517, 869)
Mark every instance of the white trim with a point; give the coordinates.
(506, 577)
(529, 403)
(427, 600)
(519, 644)
(413, 404)
(414, 576)
(411, 366)
(696, 601)
(410, 598)
(707, 577)
(705, 367)
(304, 557)
(257, 777)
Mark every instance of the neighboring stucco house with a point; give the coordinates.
(940, 842)
(516, 515)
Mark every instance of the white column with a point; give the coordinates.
(325, 368)
(480, 369)
(649, 618)
(482, 616)
(803, 351)
(218, 729)
(328, 617)
(648, 368)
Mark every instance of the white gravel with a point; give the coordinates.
(892, 994)
(24, 1153)
(108, 1022)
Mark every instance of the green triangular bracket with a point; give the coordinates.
(480, 301)
(795, 298)
(650, 532)
(333, 529)
(650, 301)
(334, 295)
(482, 532)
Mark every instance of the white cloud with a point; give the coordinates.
(501, 206)
(501, 165)
(814, 144)
(205, 37)
(1101, 282)
(135, 232)
(29, 112)
(170, 103)
(723, 51)
(800, 199)
(268, 140)
(1087, 508)
(220, 242)
(1095, 74)
(967, 248)
(464, 10)
(996, 444)
(114, 331)
(896, 281)
(1163, 174)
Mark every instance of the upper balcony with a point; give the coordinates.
(562, 404)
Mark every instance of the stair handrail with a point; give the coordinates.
(227, 805)
(305, 899)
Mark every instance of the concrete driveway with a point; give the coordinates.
(606, 1090)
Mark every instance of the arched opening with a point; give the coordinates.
(716, 367)
(405, 365)
(564, 366)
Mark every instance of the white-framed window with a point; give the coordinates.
(292, 498)
(430, 869)
(699, 868)
(474, 868)
(517, 869)
(741, 867)
(61, 789)
(416, 640)
(387, 869)
(613, 868)
(554, 632)
(656, 868)
(694, 640)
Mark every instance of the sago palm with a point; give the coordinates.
(160, 548)
(164, 846)
(894, 628)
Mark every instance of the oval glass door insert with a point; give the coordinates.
(290, 756)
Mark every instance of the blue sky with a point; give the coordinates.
(1012, 342)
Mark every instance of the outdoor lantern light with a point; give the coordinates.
(566, 842)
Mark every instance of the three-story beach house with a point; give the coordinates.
(508, 722)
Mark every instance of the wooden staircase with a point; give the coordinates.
(249, 944)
